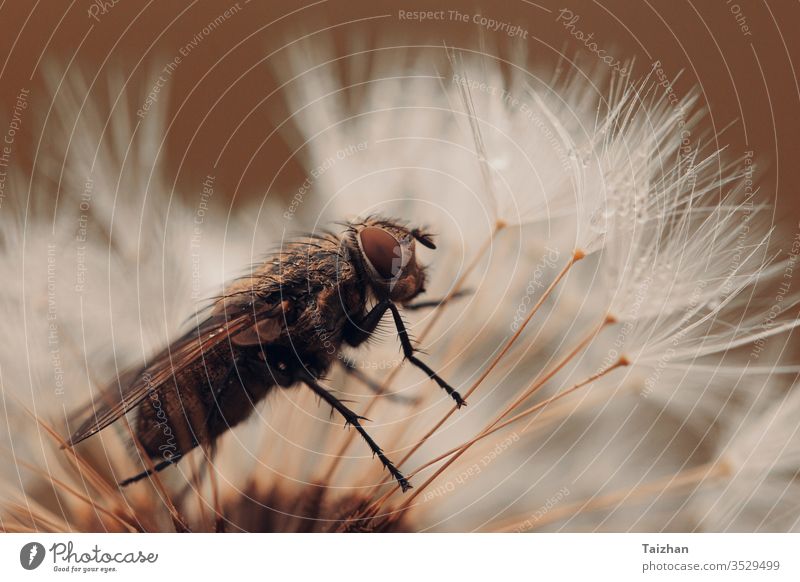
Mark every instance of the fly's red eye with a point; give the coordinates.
(382, 251)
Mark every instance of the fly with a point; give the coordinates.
(282, 325)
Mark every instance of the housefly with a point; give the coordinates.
(283, 325)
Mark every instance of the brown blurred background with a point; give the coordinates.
(740, 54)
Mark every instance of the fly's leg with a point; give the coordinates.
(408, 352)
(357, 332)
(428, 303)
(352, 418)
(159, 467)
(352, 368)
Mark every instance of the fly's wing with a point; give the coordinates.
(225, 323)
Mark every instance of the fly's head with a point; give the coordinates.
(385, 252)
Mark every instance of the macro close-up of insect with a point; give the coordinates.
(282, 325)
(390, 267)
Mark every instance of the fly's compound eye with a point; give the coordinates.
(382, 250)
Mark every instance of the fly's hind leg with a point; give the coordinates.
(352, 418)
(159, 467)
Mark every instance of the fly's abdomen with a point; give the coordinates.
(239, 394)
(171, 422)
(200, 404)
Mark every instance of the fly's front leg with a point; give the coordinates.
(429, 303)
(351, 417)
(357, 332)
(408, 352)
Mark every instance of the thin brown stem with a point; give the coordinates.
(578, 255)
(63, 486)
(533, 388)
(536, 407)
(82, 467)
(85, 469)
(34, 514)
(688, 477)
(177, 519)
(196, 484)
(527, 412)
(208, 454)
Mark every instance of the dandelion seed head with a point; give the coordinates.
(519, 174)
